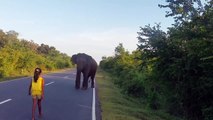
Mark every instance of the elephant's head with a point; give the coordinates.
(74, 59)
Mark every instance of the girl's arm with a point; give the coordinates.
(42, 88)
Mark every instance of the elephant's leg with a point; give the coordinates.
(93, 78)
(85, 81)
(92, 83)
(78, 79)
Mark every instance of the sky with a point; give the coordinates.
(94, 27)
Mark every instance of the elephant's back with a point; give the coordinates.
(86, 60)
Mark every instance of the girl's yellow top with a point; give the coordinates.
(36, 87)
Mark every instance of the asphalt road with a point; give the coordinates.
(61, 100)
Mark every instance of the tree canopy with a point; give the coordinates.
(20, 56)
(171, 70)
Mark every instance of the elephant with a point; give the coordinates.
(86, 65)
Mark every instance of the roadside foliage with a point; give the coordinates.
(171, 71)
(19, 57)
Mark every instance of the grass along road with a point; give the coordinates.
(116, 106)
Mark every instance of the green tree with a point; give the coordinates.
(183, 10)
(20, 57)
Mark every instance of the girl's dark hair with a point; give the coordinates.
(37, 72)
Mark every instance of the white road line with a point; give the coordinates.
(93, 105)
(5, 101)
(66, 77)
(49, 83)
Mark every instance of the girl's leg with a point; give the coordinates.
(34, 108)
(39, 107)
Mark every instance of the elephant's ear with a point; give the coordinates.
(74, 59)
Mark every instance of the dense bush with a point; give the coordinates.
(171, 70)
(20, 57)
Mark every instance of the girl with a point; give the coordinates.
(36, 90)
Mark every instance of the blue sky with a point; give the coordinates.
(94, 27)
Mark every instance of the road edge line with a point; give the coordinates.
(93, 105)
(16, 79)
